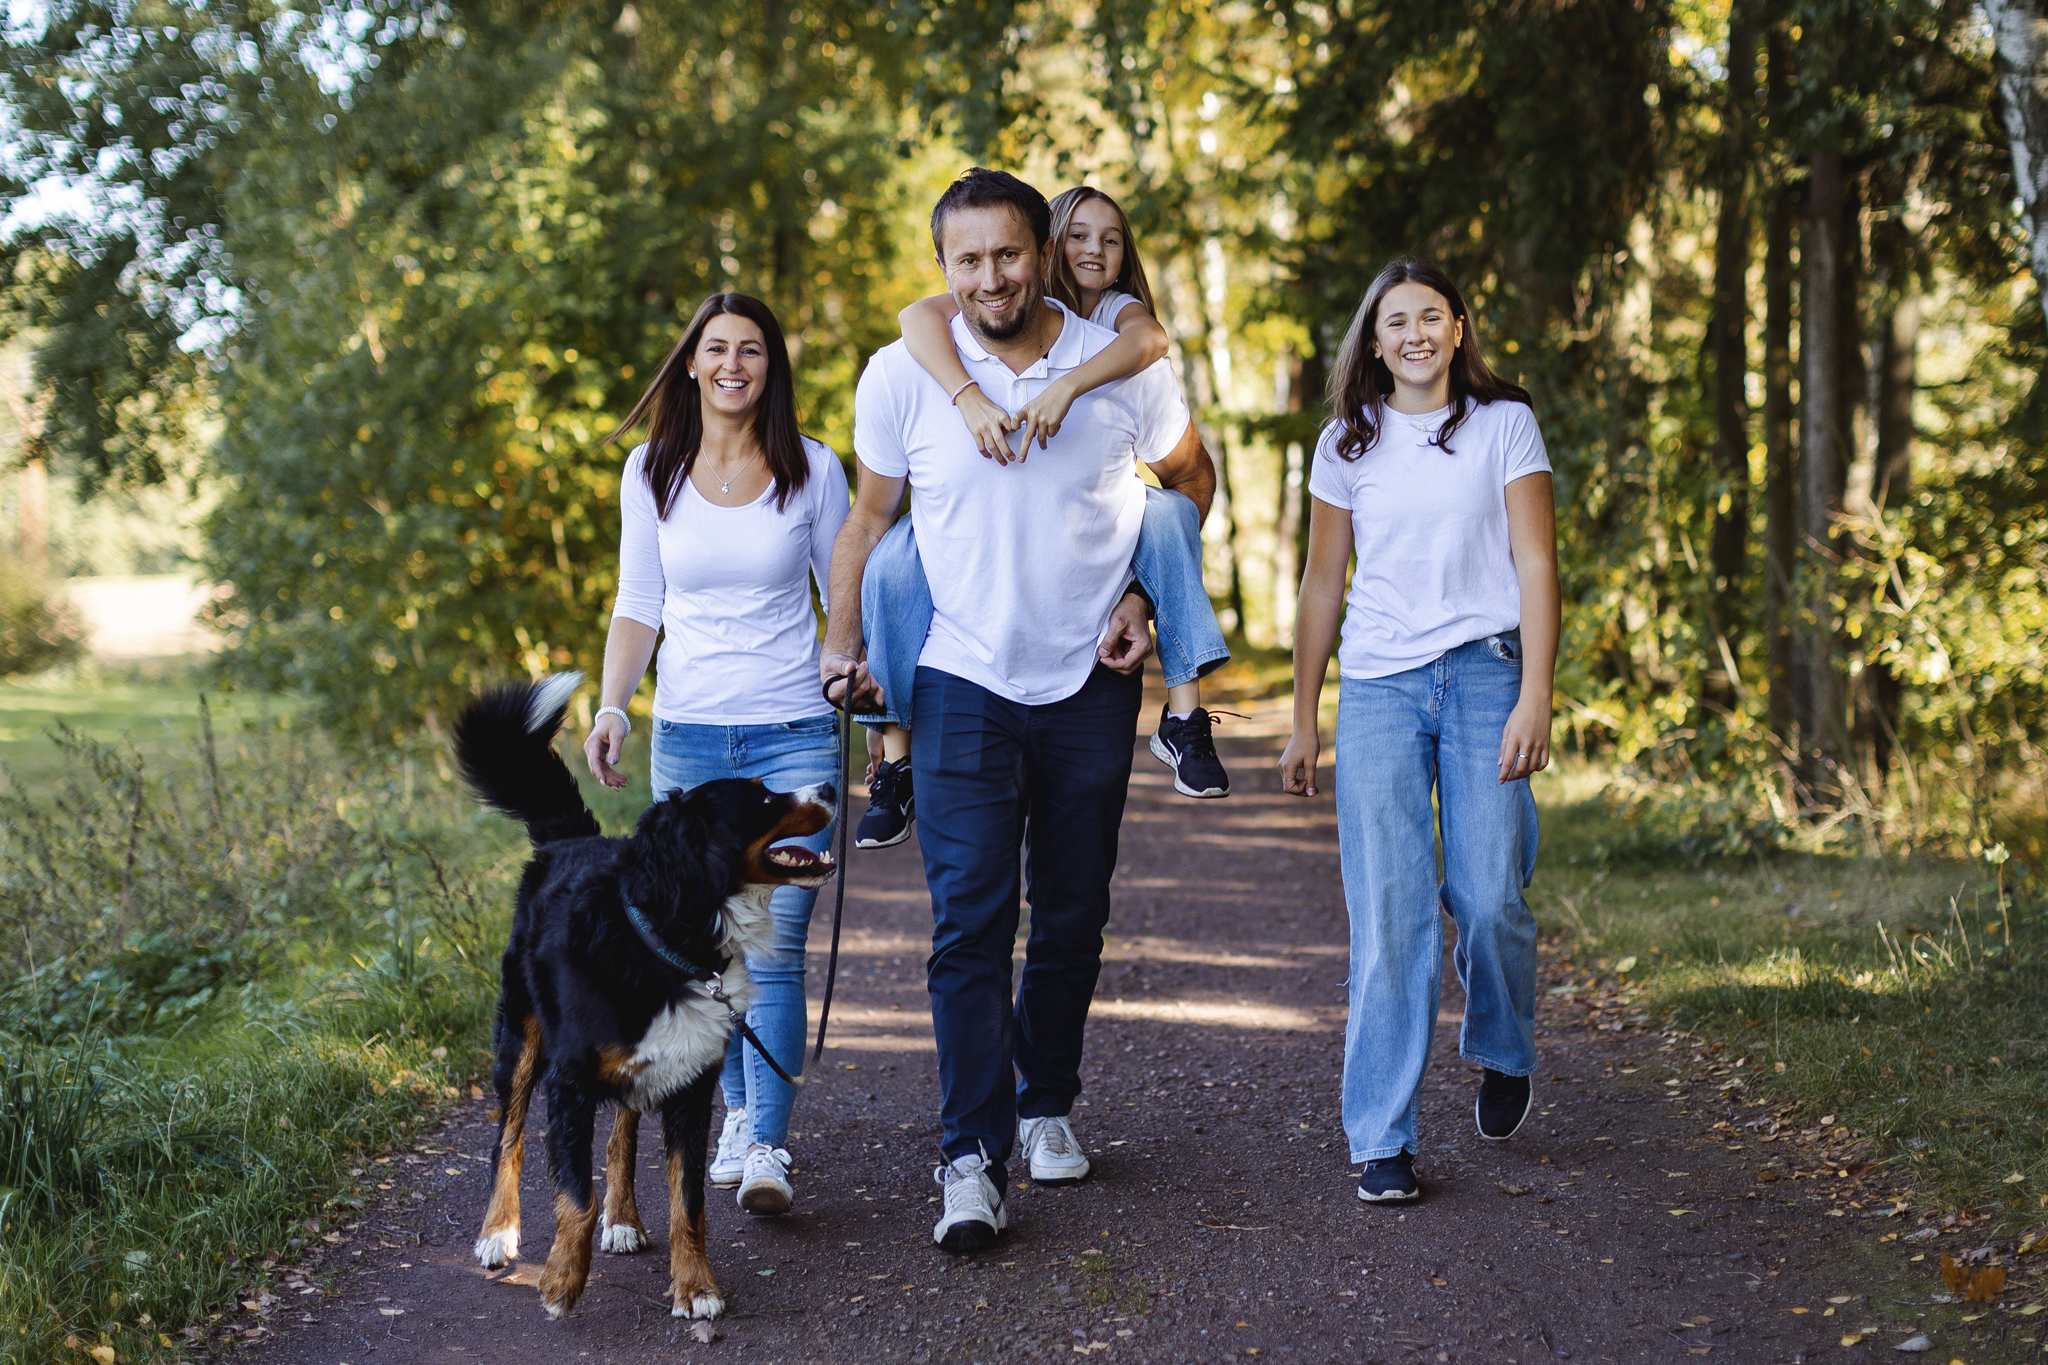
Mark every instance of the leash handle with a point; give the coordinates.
(844, 707)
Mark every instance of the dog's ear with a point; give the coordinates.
(662, 866)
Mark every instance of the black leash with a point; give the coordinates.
(844, 707)
(691, 971)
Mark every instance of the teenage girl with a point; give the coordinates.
(1433, 471)
(1094, 270)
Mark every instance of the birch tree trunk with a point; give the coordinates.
(2019, 32)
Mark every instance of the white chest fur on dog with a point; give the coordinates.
(689, 1037)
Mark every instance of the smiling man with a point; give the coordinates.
(1028, 685)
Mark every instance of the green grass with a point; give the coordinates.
(1881, 992)
(235, 963)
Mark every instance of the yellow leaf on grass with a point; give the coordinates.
(103, 1354)
(1625, 966)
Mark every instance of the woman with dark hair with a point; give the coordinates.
(728, 513)
(1432, 469)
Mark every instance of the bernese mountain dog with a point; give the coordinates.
(619, 949)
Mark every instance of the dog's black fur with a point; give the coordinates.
(590, 1011)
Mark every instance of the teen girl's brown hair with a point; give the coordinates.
(1059, 276)
(673, 408)
(1361, 381)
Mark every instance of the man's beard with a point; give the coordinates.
(1019, 318)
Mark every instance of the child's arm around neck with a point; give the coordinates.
(1140, 341)
(928, 335)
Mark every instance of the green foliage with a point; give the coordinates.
(38, 629)
(238, 969)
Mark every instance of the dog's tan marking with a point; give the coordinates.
(499, 1241)
(622, 1230)
(692, 1286)
(568, 1268)
(617, 1067)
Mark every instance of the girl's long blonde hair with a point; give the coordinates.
(1059, 276)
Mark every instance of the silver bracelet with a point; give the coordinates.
(624, 719)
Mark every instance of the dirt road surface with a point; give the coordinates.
(1220, 1222)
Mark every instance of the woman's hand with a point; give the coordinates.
(1298, 763)
(1041, 417)
(602, 749)
(1525, 743)
(988, 424)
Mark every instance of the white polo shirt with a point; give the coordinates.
(1025, 561)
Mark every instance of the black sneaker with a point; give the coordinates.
(891, 807)
(1503, 1103)
(1187, 747)
(1389, 1180)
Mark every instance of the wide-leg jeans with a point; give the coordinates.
(785, 757)
(1434, 728)
(992, 776)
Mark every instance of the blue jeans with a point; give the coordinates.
(785, 757)
(992, 776)
(1397, 737)
(896, 602)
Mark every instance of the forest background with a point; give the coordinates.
(384, 276)
(371, 283)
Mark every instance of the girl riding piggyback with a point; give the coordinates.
(1093, 271)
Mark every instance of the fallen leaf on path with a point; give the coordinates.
(1927, 1234)
(704, 1331)
(1917, 1342)
(1976, 1286)
(1841, 1299)
(1512, 1191)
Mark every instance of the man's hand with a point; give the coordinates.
(601, 750)
(1129, 637)
(833, 670)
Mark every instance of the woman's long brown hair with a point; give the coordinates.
(1059, 276)
(673, 408)
(1361, 381)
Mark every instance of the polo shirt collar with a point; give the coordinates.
(1064, 355)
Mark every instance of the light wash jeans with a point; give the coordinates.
(1437, 726)
(785, 757)
(896, 602)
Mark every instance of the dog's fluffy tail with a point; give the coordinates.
(505, 745)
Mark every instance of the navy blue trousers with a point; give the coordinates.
(995, 776)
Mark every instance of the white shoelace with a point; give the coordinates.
(1052, 1137)
(732, 1139)
(767, 1161)
(962, 1185)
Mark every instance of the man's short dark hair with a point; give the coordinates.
(981, 188)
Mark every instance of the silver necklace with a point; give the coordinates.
(725, 489)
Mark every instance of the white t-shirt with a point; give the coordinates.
(730, 590)
(1111, 306)
(1435, 570)
(1025, 561)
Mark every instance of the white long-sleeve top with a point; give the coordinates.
(730, 590)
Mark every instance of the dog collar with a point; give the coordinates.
(643, 927)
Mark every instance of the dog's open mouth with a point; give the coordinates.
(798, 859)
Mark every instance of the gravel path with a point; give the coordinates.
(1220, 1222)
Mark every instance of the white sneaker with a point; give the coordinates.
(1053, 1151)
(974, 1206)
(765, 1187)
(729, 1162)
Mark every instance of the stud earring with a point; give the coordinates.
(693, 374)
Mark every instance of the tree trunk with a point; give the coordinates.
(1898, 342)
(1728, 339)
(1818, 703)
(1781, 538)
(2019, 34)
(1891, 485)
